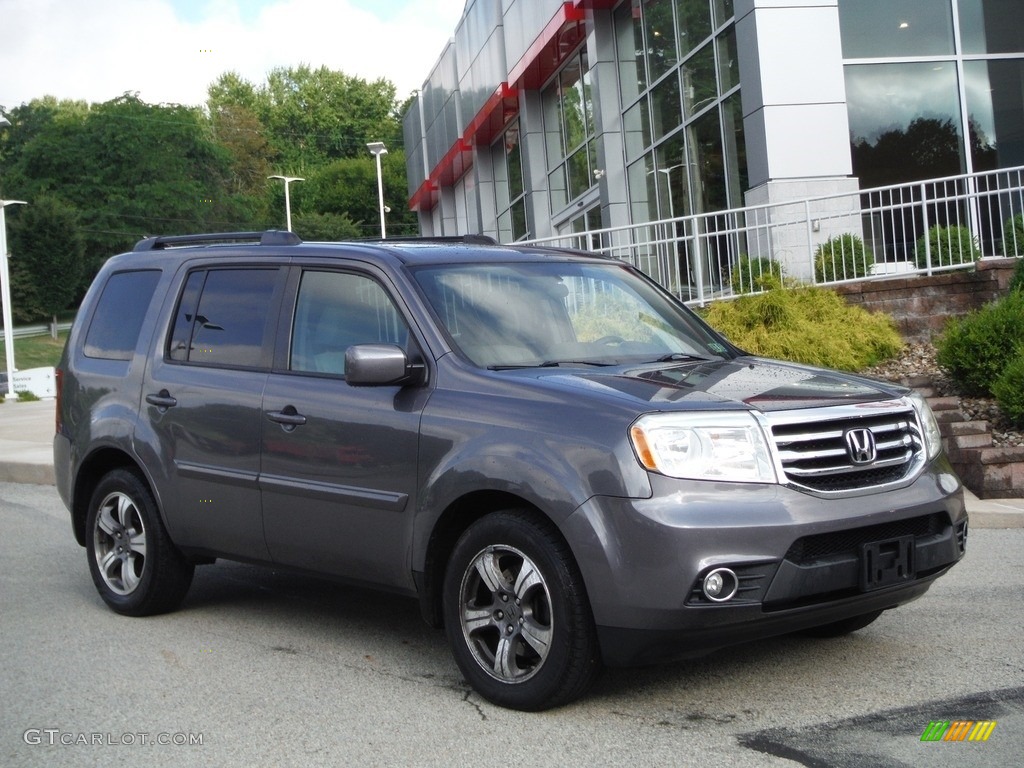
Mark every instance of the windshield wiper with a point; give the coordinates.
(678, 357)
(549, 364)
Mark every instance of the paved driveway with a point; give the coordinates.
(273, 669)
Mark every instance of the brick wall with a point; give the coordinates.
(921, 305)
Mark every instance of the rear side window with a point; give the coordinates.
(114, 331)
(224, 318)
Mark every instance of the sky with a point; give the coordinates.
(169, 51)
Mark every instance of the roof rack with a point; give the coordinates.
(441, 239)
(270, 237)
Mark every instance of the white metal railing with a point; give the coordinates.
(921, 227)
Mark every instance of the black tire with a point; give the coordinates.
(517, 615)
(136, 568)
(844, 627)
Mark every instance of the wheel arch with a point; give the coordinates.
(92, 470)
(449, 526)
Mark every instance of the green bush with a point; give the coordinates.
(1009, 388)
(977, 348)
(1017, 280)
(1013, 236)
(949, 245)
(756, 274)
(842, 257)
(807, 325)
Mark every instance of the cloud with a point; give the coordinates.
(98, 50)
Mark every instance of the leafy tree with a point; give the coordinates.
(47, 260)
(130, 168)
(350, 186)
(313, 116)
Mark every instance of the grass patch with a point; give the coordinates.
(34, 352)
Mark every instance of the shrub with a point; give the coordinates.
(949, 245)
(977, 348)
(1009, 388)
(1017, 280)
(842, 257)
(1013, 236)
(756, 274)
(807, 325)
(25, 396)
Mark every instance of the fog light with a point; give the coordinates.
(720, 585)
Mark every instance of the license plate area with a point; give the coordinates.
(885, 563)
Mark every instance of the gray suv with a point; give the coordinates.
(558, 459)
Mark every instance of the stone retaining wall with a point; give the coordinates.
(921, 305)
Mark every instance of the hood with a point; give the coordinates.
(746, 383)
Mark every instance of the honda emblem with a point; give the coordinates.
(860, 445)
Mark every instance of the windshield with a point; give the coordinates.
(529, 314)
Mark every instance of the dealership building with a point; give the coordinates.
(544, 118)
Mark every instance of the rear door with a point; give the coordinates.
(202, 403)
(339, 461)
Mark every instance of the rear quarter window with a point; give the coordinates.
(114, 330)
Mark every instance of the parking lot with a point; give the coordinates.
(269, 668)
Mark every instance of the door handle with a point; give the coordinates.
(163, 401)
(287, 417)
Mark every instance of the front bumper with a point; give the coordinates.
(801, 560)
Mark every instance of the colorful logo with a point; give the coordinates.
(958, 730)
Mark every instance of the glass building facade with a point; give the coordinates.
(544, 118)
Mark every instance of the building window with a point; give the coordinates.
(924, 103)
(569, 132)
(881, 28)
(681, 127)
(509, 189)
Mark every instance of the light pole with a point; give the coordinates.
(377, 149)
(5, 279)
(287, 200)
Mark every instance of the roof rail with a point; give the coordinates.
(270, 237)
(450, 239)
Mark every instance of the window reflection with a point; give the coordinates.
(991, 26)
(694, 23)
(887, 28)
(995, 103)
(904, 122)
(661, 37)
(569, 132)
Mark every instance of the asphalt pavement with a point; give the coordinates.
(26, 456)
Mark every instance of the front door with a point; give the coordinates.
(339, 462)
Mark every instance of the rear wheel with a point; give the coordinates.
(844, 627)
(136, 568)
(517, 615)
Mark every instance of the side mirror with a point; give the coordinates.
(376, 365)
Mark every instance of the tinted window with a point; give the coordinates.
(114, 330)
(336, 310)
(223, 318)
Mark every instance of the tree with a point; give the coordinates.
(47, 260)
(132, 169)
(349, 186)
(313, 116)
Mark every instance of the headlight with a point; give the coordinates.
(930, 427)
(724, 446)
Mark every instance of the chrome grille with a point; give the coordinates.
(814, 448)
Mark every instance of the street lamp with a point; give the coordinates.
(377, 149)
(5, 279)
(287, 200)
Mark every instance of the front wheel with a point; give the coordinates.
(136, 568)
(517, 615)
